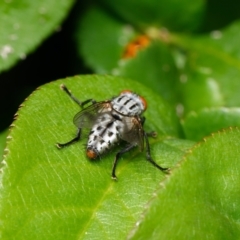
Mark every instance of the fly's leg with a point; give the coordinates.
(81, 104)
(117, 157)
(148, 150)
(143, 119)
(61, 145)
(149, 134)
(152, 134)
(148, 154)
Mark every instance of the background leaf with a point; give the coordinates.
(25, 23)
(200, 200)
(49, 193)
(102, 48)
(212, 70)
(104, 51)
(159, 13)
(207, 121)
(155, 68)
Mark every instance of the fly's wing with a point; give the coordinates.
(132, 131)
(88, 116)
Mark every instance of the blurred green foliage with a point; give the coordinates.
(183, 56)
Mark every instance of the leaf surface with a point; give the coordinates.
(200, 200)
(24, 24)
(49, 193)
(206, 121)
(212, 71)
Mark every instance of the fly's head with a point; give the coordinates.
(129, 103)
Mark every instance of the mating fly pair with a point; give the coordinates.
(112, 121)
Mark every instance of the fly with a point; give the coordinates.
(112, 121)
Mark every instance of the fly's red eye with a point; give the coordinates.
(126, 91)
(144, 102)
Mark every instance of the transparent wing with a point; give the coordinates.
(133, 131)
(88, 116)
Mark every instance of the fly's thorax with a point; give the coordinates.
(129, 104)
(107, 107)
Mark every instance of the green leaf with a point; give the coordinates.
(160, 13)
(155, 68)
(212, 71)
(101, 40)
(24, 24)
(201, 199)
(47, 193)
(200, 124)
(3, 136)
(152, 66)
